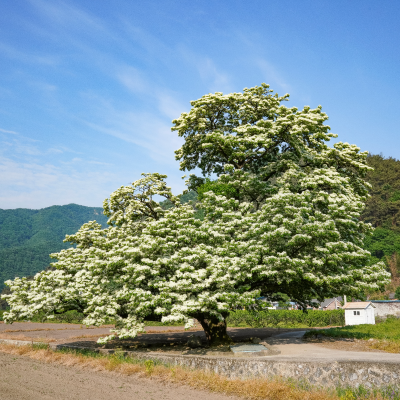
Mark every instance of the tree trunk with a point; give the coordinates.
(214, 329)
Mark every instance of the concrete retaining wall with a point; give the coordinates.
(320, 373)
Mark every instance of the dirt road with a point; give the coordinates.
(22, 378)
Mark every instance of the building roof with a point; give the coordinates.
(326, 302)
(385, 301)
(358, 304)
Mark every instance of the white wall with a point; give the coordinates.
(387, 308)
(352, 319)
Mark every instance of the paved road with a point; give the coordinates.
(289, 342)
(293, 348)
(22, 378)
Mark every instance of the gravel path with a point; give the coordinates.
(25, 379)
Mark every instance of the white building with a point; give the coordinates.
(361, 312)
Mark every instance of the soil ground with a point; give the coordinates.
(344, 344)
(158, 338)
(25, 379)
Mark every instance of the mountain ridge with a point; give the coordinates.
(28, 236)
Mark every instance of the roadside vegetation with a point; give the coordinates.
(285, 318)
(253, 389)
(236, 319)
(381, 336)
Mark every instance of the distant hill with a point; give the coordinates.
(27, 237)
(383, 207)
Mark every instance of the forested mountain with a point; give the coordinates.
(383, 212)
(27, 237)
(383, 207)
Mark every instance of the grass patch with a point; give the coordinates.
(362, 393)
(386, 334)
(387, 330)
(252, 389)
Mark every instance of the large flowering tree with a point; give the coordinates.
(281, 215)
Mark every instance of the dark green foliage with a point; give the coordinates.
(27, 237)
(3, 303)
(69, 317)
(397, 293)
(184, 198)
(220, 189)
(383, 242)
(285, 318)
(383, 207)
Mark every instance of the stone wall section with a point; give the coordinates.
(319, 373)
(383, 309)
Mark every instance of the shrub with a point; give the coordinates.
(285, 318)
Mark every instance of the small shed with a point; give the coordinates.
(359, 312)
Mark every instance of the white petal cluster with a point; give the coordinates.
(298, 233)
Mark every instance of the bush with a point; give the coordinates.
(285, 318)
(69, 317)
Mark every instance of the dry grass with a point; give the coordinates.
(390, 346)
(27, 338)
(85, 337)
(253, 389)
(29, 330)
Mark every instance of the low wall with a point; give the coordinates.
(386, 307)
(320, 373)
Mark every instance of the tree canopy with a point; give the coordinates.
(282, 216)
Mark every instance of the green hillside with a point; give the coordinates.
(383, 207)
(27, 237)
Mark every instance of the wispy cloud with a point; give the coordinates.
(218, 80)
(133, 79)
(170, 106)
(272, 75)
(63, 14)
(28, 57)
(47, 184)
(6, 131)
(213, 77)
(30, 170)
(141, 129)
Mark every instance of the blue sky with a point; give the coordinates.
(88, 89)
